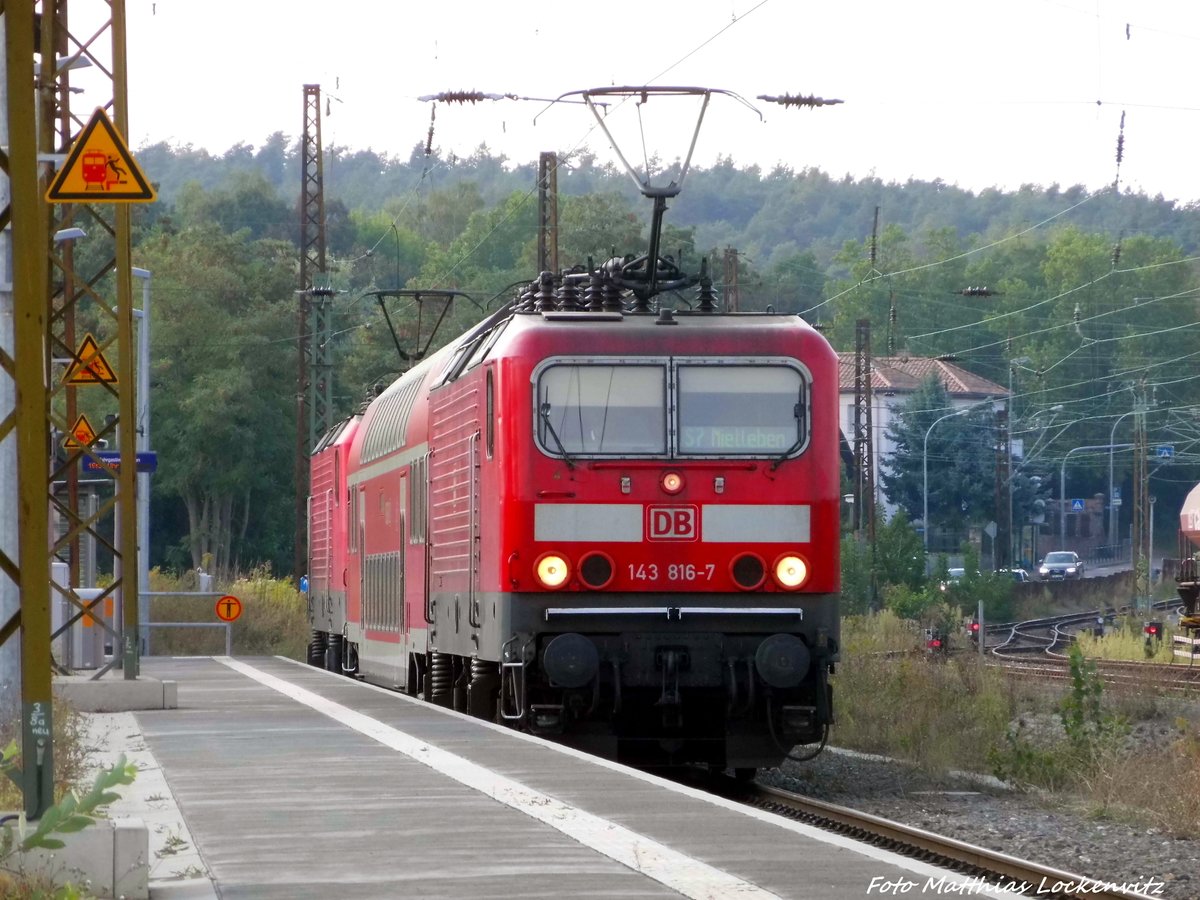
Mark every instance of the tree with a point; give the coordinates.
(960, 458)
(223, 376)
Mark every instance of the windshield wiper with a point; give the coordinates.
(780, 460)
(544, 413)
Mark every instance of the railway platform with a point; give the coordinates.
(272, 779)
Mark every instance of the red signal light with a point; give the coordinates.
(974, 628)
(1151, 629)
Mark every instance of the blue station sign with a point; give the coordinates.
(110, 461)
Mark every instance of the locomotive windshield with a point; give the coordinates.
(739, 410)
(597, 410)
(720, 409)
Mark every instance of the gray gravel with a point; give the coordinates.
(984, 813)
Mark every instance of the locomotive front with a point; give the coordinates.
(667, 533)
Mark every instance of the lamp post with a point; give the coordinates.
(1062, 484)
(1112, 508)
(143, 445)
(925, 475)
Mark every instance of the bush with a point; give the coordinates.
(273, 620)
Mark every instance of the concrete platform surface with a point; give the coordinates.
(272, 779)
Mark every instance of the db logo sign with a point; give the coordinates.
(672, 523)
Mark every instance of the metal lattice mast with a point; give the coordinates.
(314, 389)
(547, 212)
(42, 343)
(864, 454)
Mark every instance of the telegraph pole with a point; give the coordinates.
(1002, 542)
(864, 445)
(733, 300)
(547, 212)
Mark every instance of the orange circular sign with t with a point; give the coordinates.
(229, 608)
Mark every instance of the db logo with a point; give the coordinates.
(672, 523)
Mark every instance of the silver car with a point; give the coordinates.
(1060, 566)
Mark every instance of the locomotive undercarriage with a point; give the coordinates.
(665, 699)
(709, 685)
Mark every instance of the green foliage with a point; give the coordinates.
(934, 714)
(856, 577)
(273, 620)
(1091, 737)
(73, 813)
(222, 247)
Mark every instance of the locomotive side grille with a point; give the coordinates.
(320, 523)
(383, 592)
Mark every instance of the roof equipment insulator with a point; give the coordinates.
(568, 296)
(612, 294)
(593, 294)
(544, 293)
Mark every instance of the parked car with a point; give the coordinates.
(1060, 566)
(953, 574)
(1018, 575)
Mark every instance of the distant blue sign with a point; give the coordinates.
(110, 461)
(1076, 505)
(1164, 451)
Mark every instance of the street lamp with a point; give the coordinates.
(1062, 484)
(925, 473)
(1112, 507)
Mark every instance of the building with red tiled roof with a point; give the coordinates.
(893, 380)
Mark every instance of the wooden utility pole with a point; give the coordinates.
(733, 300)
(547, 212)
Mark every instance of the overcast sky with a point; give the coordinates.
(979, 95)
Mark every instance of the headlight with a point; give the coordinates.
(790, 572)
(1070, 569)
(672, 482)
(1043, 571)
(552, 570)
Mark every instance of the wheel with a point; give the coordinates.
(745, 774)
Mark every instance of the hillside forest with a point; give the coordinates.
(1085, 302)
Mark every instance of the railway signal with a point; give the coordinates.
(1153, 631)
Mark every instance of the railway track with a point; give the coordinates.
(1037, 649)
(992, 869)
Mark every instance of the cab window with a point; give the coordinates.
(597, 410)
(735, 410)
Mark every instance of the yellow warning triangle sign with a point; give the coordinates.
(89, 365)
(100, 169)
(82, 435)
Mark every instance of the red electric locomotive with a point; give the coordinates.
(598, 518)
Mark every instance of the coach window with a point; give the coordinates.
(738, 410)
(594, 409)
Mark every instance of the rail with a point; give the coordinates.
(991, 865)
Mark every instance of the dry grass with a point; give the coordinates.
(1128, 642)
(70, 754)
(955, 713)
(273, 619)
